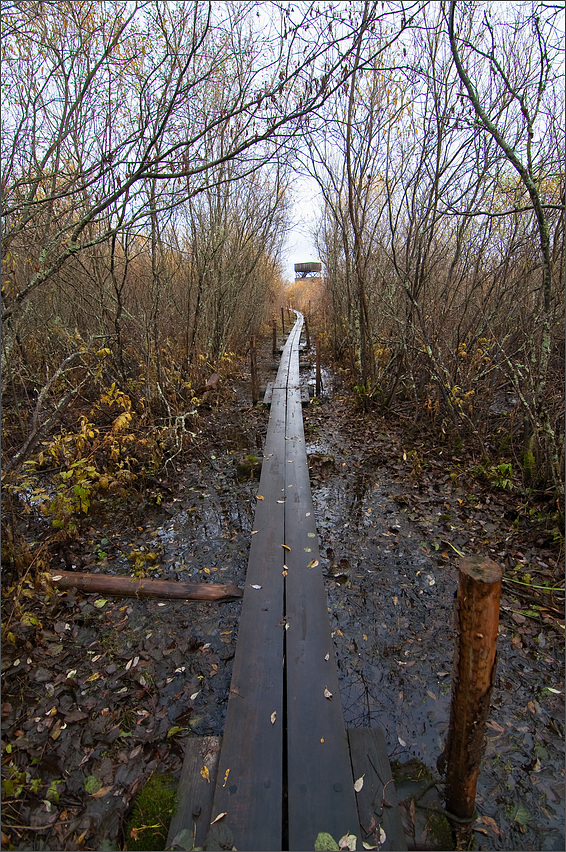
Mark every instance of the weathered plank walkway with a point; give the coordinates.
(284, 773)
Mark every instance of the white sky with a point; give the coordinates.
(299, 246)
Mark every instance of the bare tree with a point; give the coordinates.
(519, 59)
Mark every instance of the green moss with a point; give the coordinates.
(153, 808)
(529, 466)
(440, 832)
(248, 467)
(411, 770)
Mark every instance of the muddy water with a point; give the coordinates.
(390, 596)
(391, 607)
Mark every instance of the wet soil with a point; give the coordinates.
(102, 691)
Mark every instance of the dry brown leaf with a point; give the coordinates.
(102, 792)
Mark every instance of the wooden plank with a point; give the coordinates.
(194, 794)
(251, 757)
(321, 796)
(249, 787)
(268, 393)
(377, 800)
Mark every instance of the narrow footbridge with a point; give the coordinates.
(285, 768)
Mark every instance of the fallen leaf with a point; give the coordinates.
(100, 603)
(258, 497)
(254, 532)
(401, 741)
(490, 822)
(92, 784)
(205, 773)
(359, 783)
(173, 730)
(219, 817)
(273, 717)
(327, 693)
(102, 792)
(348, 842)
(313, 563)
(254, 586)
(327, 657)
(286, 546)
(381, 838)
(226, 774)
(324, 842)
(55, 732)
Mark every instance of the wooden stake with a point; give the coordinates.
(476, 624)
(110, 584)
(274, 346)
(318, 373)
(255, 383)
(308, 341)
(283, 319)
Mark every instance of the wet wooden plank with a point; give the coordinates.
(190, 823)
(320, 784)
(250, 783)
(377, 800)
(249, 788)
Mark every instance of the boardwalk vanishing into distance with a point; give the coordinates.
(285, 768)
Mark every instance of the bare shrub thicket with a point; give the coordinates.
(443, 231)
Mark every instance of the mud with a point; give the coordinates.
(108, 689)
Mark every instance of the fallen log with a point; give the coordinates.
(109, 584)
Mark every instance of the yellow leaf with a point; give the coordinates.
(219, 817)
(205, 773)
(327, 693)
(226, 774)
(286, 546)
(359, 784)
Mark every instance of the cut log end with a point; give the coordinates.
(481, 568)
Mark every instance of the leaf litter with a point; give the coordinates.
(375, 565)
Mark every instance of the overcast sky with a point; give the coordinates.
(299, 246)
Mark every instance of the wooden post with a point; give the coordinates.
(274, 347)
(283, 318)
(476, 624)
(253, 365)
(318, 374)
(308, 343)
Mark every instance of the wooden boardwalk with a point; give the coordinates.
(284, 772)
